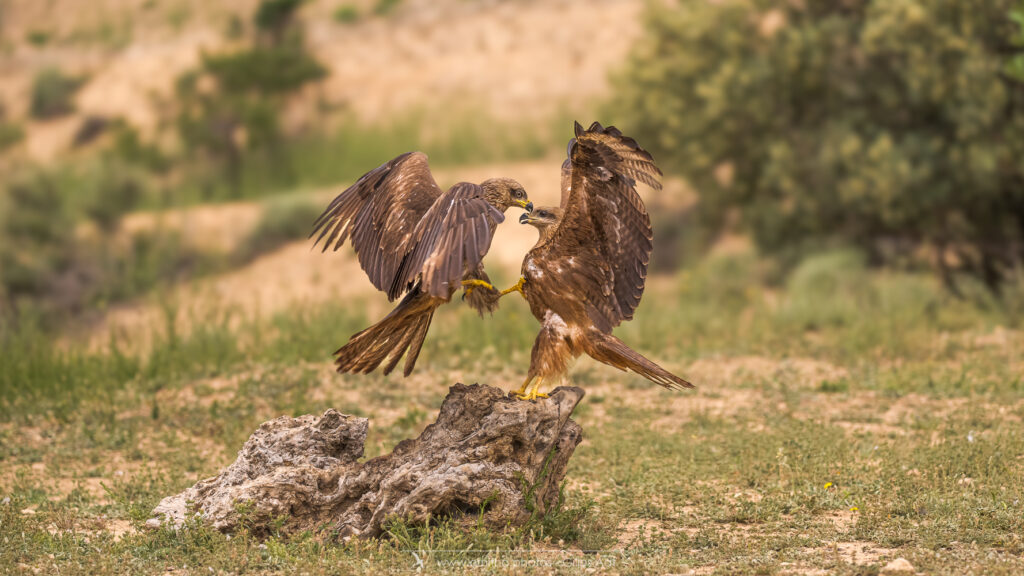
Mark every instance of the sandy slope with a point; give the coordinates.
(513, 60)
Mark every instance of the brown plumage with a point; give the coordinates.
(587, 272)
(412, 238)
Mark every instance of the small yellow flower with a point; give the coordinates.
(828, 485)
(854, 509)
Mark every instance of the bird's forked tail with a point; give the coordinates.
(614, 352)
(400, 333)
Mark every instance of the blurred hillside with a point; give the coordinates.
(889, 130)
(158, 104)
(518, 61)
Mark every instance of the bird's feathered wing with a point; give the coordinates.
(401, 224)
(380, 213)
(605, 223)
(453, 236)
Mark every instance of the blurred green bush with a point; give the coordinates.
(52, 93)
(346, 14)
(10, 134)
(229, 106)
(891, 125)
(60, 251)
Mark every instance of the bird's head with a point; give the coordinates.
(503, 193)
(543, 218)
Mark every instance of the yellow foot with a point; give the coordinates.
(522, 389)
(534, 391)
(533, 395)
(518, 287)
(469, 285)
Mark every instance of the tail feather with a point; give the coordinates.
(400, 333)
(416, 344)
(614, 352)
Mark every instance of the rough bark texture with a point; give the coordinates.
(485, 449)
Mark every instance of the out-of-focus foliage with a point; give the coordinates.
(275, 16)
(10, 134)
(889, 124)
(60, 248)
(230, 105)
(35, 235)
(346, 14)
(384, 7)
(1015, 68)
(52, 93)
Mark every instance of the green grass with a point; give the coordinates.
(470, 137)
(846, 410)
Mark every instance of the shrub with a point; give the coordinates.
(346, 14)
(229, 106)
(384, 7)
(1015, 67)
(264, 70)
(275, 16)
(10, 134)
(889, 125)
(37, 37)
(52, 92)
(35, 236)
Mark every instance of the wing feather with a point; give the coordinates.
(380, 213)
(605, 222)
(454, 235)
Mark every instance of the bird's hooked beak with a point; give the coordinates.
(526, 217)
(524, 204)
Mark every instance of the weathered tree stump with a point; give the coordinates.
(485, 451)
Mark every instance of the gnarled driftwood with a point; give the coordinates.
(484, 450)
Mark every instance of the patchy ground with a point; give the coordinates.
(852, 435)
(788, 465)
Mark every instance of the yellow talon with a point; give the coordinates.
(469, 285)
(533, 394)
(522, 389)
(473, 283)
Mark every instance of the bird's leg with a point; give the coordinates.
(517, 287)
(522, 389)
(473, 283)
(534, 394)
(535, 391)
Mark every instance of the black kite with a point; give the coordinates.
(412, 238)
(587, 272)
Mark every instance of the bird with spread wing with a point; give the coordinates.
(412, 238)
(587, 272)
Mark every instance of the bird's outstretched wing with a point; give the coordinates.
(381, 213)
(453, 236)
(605, 223)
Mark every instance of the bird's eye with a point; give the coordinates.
(518, 193)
